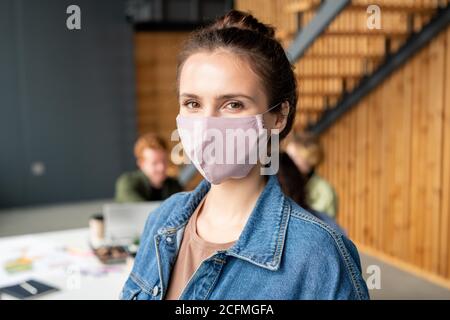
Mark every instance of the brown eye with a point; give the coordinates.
(191, 104)
(234, 106)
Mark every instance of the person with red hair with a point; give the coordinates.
(150, 182)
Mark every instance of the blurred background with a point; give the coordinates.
(80, 85)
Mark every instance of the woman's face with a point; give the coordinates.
(221, 84)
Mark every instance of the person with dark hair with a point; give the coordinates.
(237, 236)
(307, 153)
(294, 185)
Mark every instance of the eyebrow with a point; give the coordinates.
(222, 97)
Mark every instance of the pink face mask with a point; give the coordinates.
(224, 147)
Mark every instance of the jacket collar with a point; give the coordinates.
(262, 239)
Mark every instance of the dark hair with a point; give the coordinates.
(292, 181)
(243, 34)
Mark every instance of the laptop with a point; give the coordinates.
(124, 222)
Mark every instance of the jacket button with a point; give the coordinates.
(169, 239)
(155, 291)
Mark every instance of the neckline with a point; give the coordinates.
(199, 240)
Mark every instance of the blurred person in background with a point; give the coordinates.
(150, 182)
(293, 183)
(306, 152)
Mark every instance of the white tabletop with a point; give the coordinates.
(62, 259)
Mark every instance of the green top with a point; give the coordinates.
(135, 186)
(321, 196)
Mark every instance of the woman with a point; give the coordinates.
(306, 152)
(236, 236)
(294, 185)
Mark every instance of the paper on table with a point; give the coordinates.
(46, 259)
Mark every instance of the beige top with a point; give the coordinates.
(193, 251)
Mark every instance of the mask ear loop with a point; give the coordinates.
(269, 141)
(272, 107)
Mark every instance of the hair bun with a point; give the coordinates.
(243, 20)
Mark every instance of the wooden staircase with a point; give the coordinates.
(347, 51)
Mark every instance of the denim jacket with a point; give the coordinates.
(283, 252)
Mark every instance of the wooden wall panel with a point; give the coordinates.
(156, 60)
(157, 102)
(389, 159)
(444, 243)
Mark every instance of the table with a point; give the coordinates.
(62, 259)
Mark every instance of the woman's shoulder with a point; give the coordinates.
(313, 231)
(176, 199)
(168, 206)
(158, 217)
(305, 220)
(324, 245)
